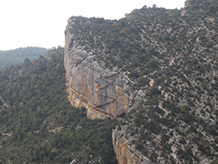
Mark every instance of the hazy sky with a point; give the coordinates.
(42, 23)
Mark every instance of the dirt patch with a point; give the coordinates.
(7, 134)
(55, 130)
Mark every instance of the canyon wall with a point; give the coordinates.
(103, 92)
(125, 150)
(170, 52)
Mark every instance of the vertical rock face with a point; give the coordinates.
(125, 152)
(103, 92)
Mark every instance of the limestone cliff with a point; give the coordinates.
(124, 149)
(172, 61)
(103, 92)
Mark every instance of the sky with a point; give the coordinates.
(41, 23)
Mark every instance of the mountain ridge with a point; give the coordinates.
(38, 124)
(171, 60)
(18, 55)
(158, 70)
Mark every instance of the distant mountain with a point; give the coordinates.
(18, 55)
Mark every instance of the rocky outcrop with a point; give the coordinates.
(177, 54)
(125, 151)
(103, 92)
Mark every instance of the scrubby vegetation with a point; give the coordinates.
(38, 124)
(18, 55)
(171, 57)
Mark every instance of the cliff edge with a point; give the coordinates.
(125, 150)
(105, 93)
(172, 63)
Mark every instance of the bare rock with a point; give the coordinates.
(100, 90)
(125, 152)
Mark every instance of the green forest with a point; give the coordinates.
(18, 55)
(168, 59)
(37, 122)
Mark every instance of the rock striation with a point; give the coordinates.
(189, 3)
(173, 63)
(103, 92)
(124, 149)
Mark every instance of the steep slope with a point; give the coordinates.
(37, 122)
(171, 62)
(102, 91)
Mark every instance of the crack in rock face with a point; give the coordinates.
(100, 90)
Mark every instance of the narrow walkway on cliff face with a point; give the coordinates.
(108, 82)
(111, 99)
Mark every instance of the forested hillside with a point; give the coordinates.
(171, 58)
(166, 60)
(18, 55)
(37, 122)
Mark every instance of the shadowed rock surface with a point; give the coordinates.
(171, 58)
(125, 151)
(103, 92)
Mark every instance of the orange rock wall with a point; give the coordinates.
(100, 90)
(124, 152)
(103, 92)
(121, 149)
